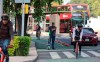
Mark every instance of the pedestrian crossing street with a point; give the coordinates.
(67, 54)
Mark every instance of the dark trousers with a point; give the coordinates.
(52, 41)
(38, 34)
(79, 46)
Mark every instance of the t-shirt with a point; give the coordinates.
(52, 30)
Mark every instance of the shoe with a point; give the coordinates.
(79, 52)
(53, 48)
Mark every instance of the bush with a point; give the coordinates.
(21, 46)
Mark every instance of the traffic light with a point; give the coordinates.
(26, 8)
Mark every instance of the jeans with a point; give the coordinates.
(52, 41)
(5, 43)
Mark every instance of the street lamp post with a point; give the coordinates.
(22, 31)
(84, 18)
(1, 8)
(23, 3)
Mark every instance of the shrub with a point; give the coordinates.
(21, 46)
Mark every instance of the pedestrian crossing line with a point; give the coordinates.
(54, 55)
(84, 54)
(94, 53)
(99, 50)
(69, 54)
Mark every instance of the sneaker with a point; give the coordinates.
(53, 48)
(79, 52)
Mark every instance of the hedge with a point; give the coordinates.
(21, 46)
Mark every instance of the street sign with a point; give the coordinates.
(22, 1)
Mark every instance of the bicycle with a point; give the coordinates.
(77, 49)
(2, 56)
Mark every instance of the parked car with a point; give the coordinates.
(89, 37)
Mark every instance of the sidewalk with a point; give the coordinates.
(31, 58)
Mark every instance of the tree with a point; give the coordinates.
(40, 6)
(10, 7)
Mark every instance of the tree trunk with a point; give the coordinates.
(19, 24)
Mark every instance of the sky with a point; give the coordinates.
(65, 1)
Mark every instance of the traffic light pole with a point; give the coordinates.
(22, 31)
(84, 18)
(23, 4)
(1, 8)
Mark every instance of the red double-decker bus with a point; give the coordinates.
(70, 15)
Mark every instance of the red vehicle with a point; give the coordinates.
(89, 37)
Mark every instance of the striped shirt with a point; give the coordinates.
(6, 31)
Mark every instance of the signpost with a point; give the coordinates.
(23, 4)
(1, 8)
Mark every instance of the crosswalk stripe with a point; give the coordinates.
(84, 54)
(54, 55)
(94, 53)
(99, 50)
(69, 54)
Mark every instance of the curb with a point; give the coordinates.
(36, 54)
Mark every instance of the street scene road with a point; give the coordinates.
(64, 53)
(50, 30)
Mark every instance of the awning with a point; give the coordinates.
(63, 16)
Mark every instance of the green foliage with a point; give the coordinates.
(40, 7)
(21, 46)
(16, 46)
(11, 8)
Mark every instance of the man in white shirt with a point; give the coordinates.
(77, 36)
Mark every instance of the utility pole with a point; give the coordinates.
(22, 31)
(23, 4)
(1, 8)
(84, 18)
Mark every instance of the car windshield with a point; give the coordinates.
(88, 31)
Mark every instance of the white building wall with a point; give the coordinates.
(95, 24)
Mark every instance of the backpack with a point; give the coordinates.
(77, 34)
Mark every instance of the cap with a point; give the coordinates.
(4, 17)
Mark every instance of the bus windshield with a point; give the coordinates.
(77, 7)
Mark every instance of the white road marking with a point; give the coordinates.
(69, 54)
(84, 54)
(54, 55)
(94, 53)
